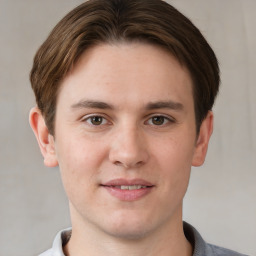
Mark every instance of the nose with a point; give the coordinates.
(129, 148)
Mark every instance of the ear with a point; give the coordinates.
(44, 138)
(203, 140)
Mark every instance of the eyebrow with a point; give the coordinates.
(150, 106)
(91, 104)
(165, 104)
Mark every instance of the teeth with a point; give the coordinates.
(132, 187)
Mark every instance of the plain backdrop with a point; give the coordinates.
(221, 199)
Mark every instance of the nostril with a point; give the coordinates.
(118, 163)
(128, 165)
(139, 163)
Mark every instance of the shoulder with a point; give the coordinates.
(219, 251)
(201, 248)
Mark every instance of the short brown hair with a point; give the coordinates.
(110, 21)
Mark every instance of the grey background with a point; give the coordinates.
(221, 199)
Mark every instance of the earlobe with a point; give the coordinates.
(44, 138)
(203, 140)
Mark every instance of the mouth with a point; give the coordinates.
(128, 190)
(132, 187)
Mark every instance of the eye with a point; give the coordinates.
(96, 120)
(159, 120)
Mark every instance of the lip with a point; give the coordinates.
(113, 188)
(126, 182)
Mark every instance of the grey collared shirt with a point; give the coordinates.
(201, 248)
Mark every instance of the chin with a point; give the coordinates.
(128, 228)
(129, 234)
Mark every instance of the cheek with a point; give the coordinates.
(79, 163)
(176, 151)
(174, 158)
(78, 153)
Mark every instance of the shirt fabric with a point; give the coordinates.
(201, 248)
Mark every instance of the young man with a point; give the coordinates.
(124, 92)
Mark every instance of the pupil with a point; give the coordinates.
(158, 120)
(96, 120)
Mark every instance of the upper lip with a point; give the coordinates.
(127, 182)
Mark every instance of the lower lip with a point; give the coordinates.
(128, 195)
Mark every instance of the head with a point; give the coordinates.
(116, 21)
(124, 89)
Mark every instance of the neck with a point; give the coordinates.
(168, 241)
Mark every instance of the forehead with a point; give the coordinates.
(135, 72)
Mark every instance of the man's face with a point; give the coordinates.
(125, 139)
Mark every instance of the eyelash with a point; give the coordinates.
(166, 120)
(88, 119)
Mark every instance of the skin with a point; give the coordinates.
(143, 128)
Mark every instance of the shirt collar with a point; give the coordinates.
(60, 240)
(192, 235)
